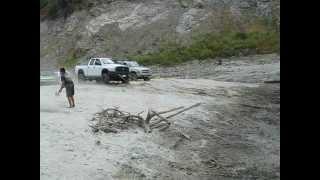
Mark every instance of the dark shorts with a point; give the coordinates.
(70, 89)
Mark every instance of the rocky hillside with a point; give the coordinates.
(120, 28)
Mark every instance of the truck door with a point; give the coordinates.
(97, 68)
(91, 67)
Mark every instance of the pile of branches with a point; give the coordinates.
(113, 120)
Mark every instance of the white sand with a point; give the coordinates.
(67, 145)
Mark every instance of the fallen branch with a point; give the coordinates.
(160, 120)
(274, 81)
(107, 129)
(94, 129)
(165, 126)
(166, 118)
(184, 135)
(252, 106)
(159, 125)
(152, 125)
(104, 129)
(170, 110)
(115, 120)
(146, 122)
(140, 113)
(149, 116)
(186, 109)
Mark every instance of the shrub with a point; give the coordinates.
(58, 8)
(214, 45)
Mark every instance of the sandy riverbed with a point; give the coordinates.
(235, 133)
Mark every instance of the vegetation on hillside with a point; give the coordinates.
(73, 57)
(60, 8)
(236, 38)
(261, 37)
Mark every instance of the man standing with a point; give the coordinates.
(66, 82)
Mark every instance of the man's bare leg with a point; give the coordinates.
(70, 102)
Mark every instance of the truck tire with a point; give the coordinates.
(105, 77)
(81, 76)
(133, 76)
(146, 78)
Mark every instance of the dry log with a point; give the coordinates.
(146, 122)
(170, 110)
(149, 116)
(112, 112)
(160, 125)
(188, 108)
(104, 129)
(157, 121)
(146, 127)
(112, 120)
(184, 135)
(94, 129)
(252, 106)
(165, 126)
(160, 120)
(274, 81)
(166, 118)
(140, 113)
(107, 129)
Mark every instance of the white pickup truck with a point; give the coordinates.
(102, 69)
(137, 71)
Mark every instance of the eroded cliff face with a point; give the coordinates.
(123, 27)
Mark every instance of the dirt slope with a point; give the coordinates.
(122, 27)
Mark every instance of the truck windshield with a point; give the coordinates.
(106, 61)
(133, 64)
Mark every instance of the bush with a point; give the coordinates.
(73, 57)
(214, 45)
(57, 8)
(43, 3)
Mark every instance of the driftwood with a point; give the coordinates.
(159, 125)
(164, 127)
(114, 120)
(186, 109)
(271, 82)
(104, 129)
(166, 118)
(160, 120)
(170, 110)
(252, 106)
(183, 134)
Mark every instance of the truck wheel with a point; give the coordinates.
(133, 76)
(81, 77)
(105, 77)
(146, 78)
